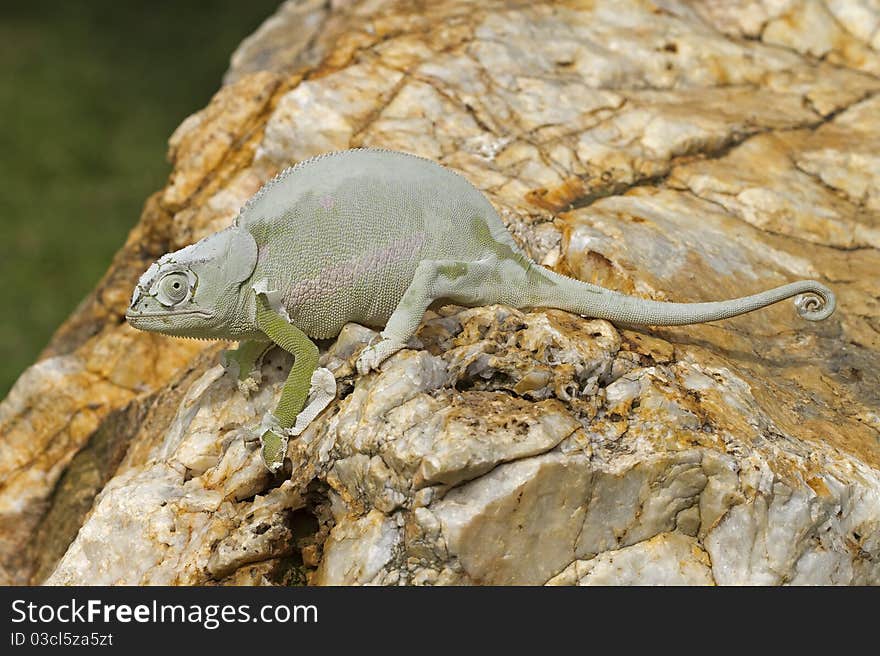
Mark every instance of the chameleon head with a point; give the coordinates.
(196, 291)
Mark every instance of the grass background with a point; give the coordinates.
(90, 91)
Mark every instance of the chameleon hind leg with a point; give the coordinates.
(296, 388)
(466, 283)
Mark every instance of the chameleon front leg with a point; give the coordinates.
(244, 362)
(296, 388)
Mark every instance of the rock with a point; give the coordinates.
(665, 559)
(688, 152)
(843, 32)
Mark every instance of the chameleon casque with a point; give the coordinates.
(374, 237)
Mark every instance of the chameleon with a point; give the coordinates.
(376, 237)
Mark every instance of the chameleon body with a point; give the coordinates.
(374, 237)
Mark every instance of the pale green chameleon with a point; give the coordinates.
(374, 237)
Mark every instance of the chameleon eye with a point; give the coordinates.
(173, 288)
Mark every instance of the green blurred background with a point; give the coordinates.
(90, 91)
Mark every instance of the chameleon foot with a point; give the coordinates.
(273, 442)
(375, 354)
(273, 449)
(274, 439)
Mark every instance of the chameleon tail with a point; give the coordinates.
(813, 301)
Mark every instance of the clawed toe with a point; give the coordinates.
(273, 449)
(374, 355)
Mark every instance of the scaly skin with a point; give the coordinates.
(375, 237)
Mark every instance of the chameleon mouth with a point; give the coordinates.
(157, 315)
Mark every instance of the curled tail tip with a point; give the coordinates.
(816, 303)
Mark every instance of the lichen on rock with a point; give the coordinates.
(676, 151)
